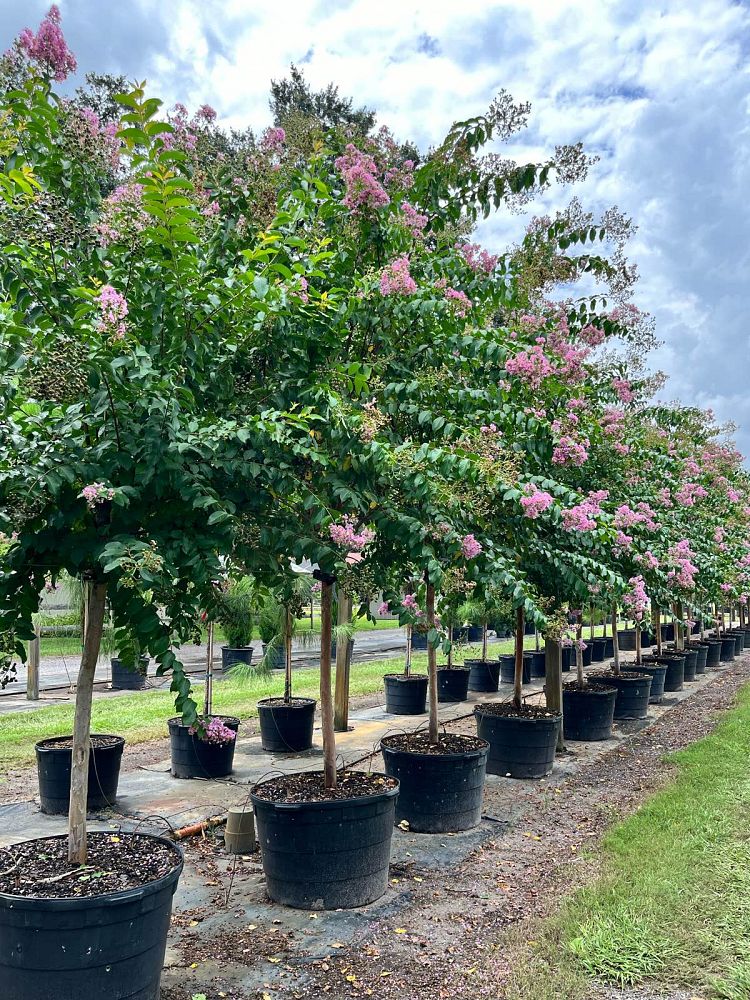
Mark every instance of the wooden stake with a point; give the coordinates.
(579, 651)
(553, 682)
(79, 776)
(326, 701)
(615, 646)
(343, 665)
(287, 655)
(518, 672)
(32, 671)
(434, 734)
(208, 694)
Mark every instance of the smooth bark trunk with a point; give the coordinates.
(96, 595)
(579, 652)
(484, 642)
(432, 668)
(208, 692)
(518, 674)
(287, 655)
(614, 639)
(343, 664)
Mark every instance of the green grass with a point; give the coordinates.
(672, 903)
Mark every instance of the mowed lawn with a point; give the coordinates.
(672, 904)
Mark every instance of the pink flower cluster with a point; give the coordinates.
(477, 258)
(460, 302)
(384, 608)
(410, 602)
(582, 516)
(532, 365)
(568, 451)
(48, 47)
(636, 600)
(363, 190)
(733, 495)
(612, 420)
(684, 572)
(96, 493)
(536, 501)
(272, 140)
(347, 536)
(413, 220)
(396, 278)
(626, 517)
(123, 216)
(470, 547)
(216, 732)
(113, 309)
(689, 493)
(623, 389)
(592, 335)
(648, 560)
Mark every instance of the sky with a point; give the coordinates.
(660, 92)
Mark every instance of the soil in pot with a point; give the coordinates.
(484, 674)
(325, 848)
(193, 757)
(286, 726)
(441, 787)
(125, 679)
(453, 684)
(588, 711)
(230, 655)
(633, 692)
(99, 931)
(405, 695)
(538, 663)
(508, 668)
(522, 741)
(53, 763)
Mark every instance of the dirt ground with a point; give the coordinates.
(447, 929)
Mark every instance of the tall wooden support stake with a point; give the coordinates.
(518, 672)
(32, 671)
(432, 668)
(208, 693)
(615, 638)
(326, 699)
(553, 682)
(343, 665)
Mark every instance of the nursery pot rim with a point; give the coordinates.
(177, 722)
(296, 702)
(407, 677)
(321, 805)
(40, 746)
(457, 755)
(551, 717)
(66, 903)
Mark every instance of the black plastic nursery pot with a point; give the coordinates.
(438, 792)
(405, 695)
(453, 684)
(626, 640)
(193, 757)
(588, 712)
(419, 640)
(331, 854)
(230, 655)
(598, 649)
(484, 674)
(276, 658)
(713, 652)
(522, 745)
(674, 680)
(691, 663)
(473, 633)
(126, 679)
(508, 668)
(633, 692)
(657, 671)
(538, 663)
(587, 655)
(286, 727)
(53, 764)
(567, 658)
(88, 948)
(701, 651)
(739, 642)
(667, 632)
(727, 649)
(609, 646)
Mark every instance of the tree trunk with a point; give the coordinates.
(450, 647)
(679, 634)
(343, 662)
(579, 652)
(518, 674)
(537, 643)
(592, 630)
(96, 594)
(614, 638)
(407, 661)
(287, 655)
(32, 670)
(432, 668)
(656, 615)
(637, 643)
(208, 692)
(553, 683)
(326, 701)
(484, 642)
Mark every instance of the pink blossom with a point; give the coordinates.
(48, 47)
(461, 302)
(96, 493)
(533, 366)
(413, 220)
(688, 493)
(113, 312)
(648, 560)
(477, 258)
(568, 451)
(346, 535)
(733, 495)
(581, 517)
(470, 547)
(273, 139)
(623, 389)
(536, 501)
(384, 609)
(410, 602)
(396, 278)
(215, 732)
(211, 210)
(123, 217)
(636, 599)
(363, 190)
(592, 335)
